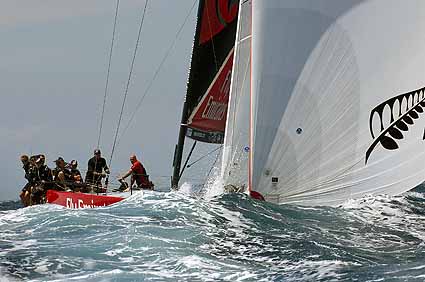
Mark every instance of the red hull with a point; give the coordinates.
(80, 200)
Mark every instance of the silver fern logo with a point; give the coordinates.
(403, 110)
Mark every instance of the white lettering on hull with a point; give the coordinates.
(69, 203)
(80, 204)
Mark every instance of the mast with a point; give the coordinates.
(178, 153)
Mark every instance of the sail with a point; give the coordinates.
(209, 79)
(236, 141)
(338, 104)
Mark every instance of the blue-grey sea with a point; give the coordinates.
(178, 236)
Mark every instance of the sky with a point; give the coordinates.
(53, 65)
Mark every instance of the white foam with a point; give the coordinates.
(214, 186)
(186, 188)
(42, 267)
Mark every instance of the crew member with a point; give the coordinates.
(61, 175)
(76, 179)
(138, 174)
(44, 172)
(75, 173)
(96, 169)
(42, 176)
(25, 194)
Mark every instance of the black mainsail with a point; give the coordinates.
(205, 107)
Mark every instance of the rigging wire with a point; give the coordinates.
(204, 156)
(212, 167)
(187, 160)
(106, 89)
(212, 38)
(139, 104)
(108, 73)
(128, 82)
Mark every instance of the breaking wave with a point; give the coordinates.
(177, 237)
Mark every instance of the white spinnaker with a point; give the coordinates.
(319, 68)
(236, 141)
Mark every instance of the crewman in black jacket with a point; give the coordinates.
(96, 169)
(25, 194)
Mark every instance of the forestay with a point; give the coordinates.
(337, 99)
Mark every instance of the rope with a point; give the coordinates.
(108, 73)
(139, 104)
(128, 83)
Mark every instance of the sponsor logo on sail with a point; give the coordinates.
(216, 110)
(217, 15)
(227, 11)
(403, 110)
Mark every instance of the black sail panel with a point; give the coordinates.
(209, 79)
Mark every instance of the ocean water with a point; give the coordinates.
(178, 236)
